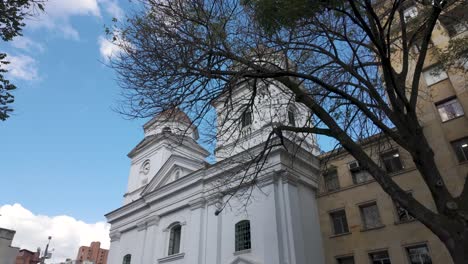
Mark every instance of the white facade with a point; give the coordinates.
(172, 188)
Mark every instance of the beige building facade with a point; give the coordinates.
(359, 222)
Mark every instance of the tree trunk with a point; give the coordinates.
(458, 248)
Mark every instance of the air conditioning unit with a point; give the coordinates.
(354, 166)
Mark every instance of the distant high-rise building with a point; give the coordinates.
(94, 254)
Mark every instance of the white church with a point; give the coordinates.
(179, 208)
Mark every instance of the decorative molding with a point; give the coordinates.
(152, 220)
(197, 203)
(171, 258)
(141, 225)
(115, 236)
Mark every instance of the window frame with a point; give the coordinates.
(332, 220)
(246, 242)
(462, 143)
(364, 224)
(172, 242)
(326, 175)
(291, 116)
(127, 259)
(419, 245)
(246, 116)
(392, 152)
(348, 257)
(445, 103)
(428, 73)
(385, 251)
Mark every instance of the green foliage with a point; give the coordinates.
(274, 14)
(12, 14)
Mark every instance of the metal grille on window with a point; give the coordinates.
(126, 259)
(243, 235)
(380, 258)
(174, 240)
(419, 255)
(370, 216)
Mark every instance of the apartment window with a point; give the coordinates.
(345, 260)
(359, 175)
(454, 24)
(410, 13)
(340, 224)
(246, 118)
(370, 216)
(174, 239)
(402, 213)
(331, 180)
(434, 75)
(461, 149)
(291, 117)
(449, 109)
(242, 237)
(418, 255)
(391, 161)
(126, 259)
(380, 257)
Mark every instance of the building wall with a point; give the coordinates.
(7, 252)
(395, 236)
(93, 253)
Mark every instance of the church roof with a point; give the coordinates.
(173, 114)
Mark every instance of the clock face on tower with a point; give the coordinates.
(145, 168)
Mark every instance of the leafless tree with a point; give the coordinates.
(349, 62)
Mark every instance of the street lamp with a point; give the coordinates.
(46, 254)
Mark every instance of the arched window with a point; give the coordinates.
(243, 235)
(246, 118)
(174, 239)
(166, 130)
(291, 117)
(126, 259)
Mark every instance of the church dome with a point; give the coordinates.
(173, 121)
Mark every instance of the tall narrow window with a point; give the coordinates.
(449, 109)
(126, 259)
(370, 216)
(291, 117)
(174, 240)
(340, 224)
(391, 161)
(461, 149)
(243, 235)
(246, 118)
(331, 180)
(419, 255)
(380, 257)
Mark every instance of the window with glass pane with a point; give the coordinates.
(450, 109)
(331, 180)
(380, 257)
(392, 161)
(126, 259)
(419, 255)
(246, 118)
(361, 176)
(243, 235)
(291, 117)
(434, 75)
(410, 13)
(174, 240)
(345, 260)
(461, 149)
(339, 222)
(370, 216)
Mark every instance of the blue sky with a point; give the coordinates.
(63, 151)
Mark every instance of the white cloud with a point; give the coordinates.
(22, 67)
(107, 48)
(58, 14)
(27, 44)
(68, 234)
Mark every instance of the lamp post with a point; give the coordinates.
(46, 252)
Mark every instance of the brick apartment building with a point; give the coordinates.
(92, 253)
